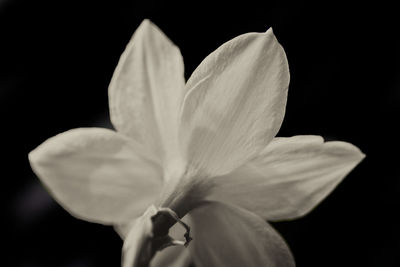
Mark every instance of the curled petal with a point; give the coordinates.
(289, 178)
(235, 103)
(97, 175)
(146, 91)
(229, 236)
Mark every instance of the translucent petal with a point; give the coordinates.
(146, 91)
(97, 174)
(289, 178)
(235, 104)
(229, 236)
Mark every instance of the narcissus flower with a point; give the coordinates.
(202, 154)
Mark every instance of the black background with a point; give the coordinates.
(57, 58)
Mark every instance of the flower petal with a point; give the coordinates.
(97, 174)
(289, 178)
(235, 104)
(229, 236)
(146, 91)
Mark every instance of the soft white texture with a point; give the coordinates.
(228, 236)
(235, 103)
(289, 178)
(214, 143)
(146, 92)
(97, 174)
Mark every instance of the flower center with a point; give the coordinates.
(164, 219)
(158, 238)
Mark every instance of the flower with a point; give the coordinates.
(204, 150)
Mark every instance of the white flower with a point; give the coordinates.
(205, 149)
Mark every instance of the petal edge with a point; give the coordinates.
(91, 171)
(228, 236)
(235, 103)
(289, 178)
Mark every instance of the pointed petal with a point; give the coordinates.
(289, 178)
(236, 103)
(97, 174)
(146, 91)
(229, 236)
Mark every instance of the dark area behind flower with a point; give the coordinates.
(57, 58)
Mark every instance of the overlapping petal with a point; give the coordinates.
(233, 108)
(289, 178)
(97, 174)
(229, 236)
(146, 91)
(235, 103)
